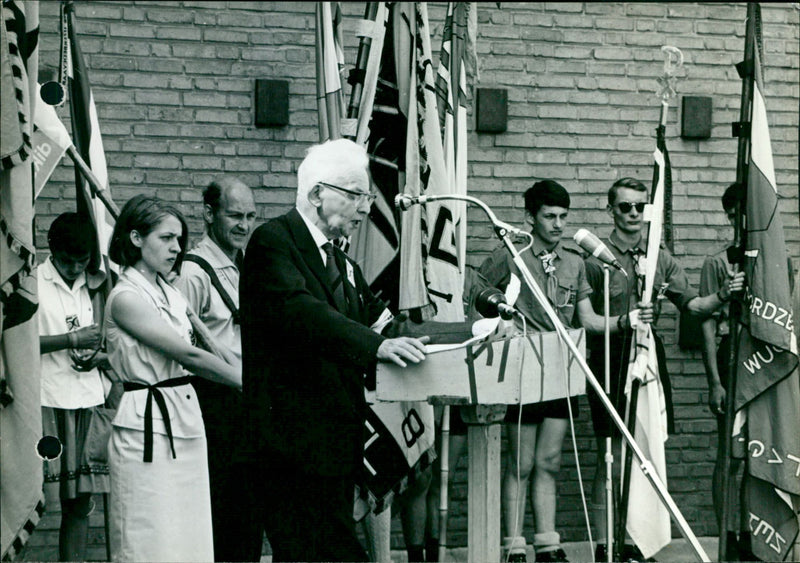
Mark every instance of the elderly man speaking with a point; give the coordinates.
(310, 331)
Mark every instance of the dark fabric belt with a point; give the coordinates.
(154, 393)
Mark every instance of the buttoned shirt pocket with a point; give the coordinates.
(566, 299)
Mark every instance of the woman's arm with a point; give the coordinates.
(135, 317)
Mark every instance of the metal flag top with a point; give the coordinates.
(673, 61)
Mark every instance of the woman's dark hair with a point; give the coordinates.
(545, 192)
(142, 214)
(71, 234)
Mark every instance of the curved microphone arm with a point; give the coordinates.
(404, 201)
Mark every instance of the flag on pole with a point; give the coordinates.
(382, 123)
(425, 257)
(648, 521)
(88, 142)
(447, 248)
(20, 404)
(768, 380)
(401, 441)
(50, 142)
(425, 174)
(330, 65)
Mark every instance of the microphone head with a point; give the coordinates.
(403, 201)
(584, 235)
(487, 301)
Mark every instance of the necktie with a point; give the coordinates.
(334, 275)
(549, 267)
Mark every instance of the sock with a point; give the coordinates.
(546, 541)
(514, 544)
(432, 549)
(416, 553)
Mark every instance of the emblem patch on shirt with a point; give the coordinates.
(72, 322)
(351, 276)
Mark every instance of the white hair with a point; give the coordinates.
(340, 162)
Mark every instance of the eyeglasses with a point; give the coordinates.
(368, 197)
(626, 206)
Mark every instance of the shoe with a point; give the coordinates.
(432, 550)
(632, 554)
(553, 556)
(732, 550)
(600, 553)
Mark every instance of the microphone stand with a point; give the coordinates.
(502, 231)
(609, 457)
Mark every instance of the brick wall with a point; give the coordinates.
(174, 86)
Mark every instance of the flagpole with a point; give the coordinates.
(746, 69)
(609, 454)
(357, 75)
(647, 468)
(444, 480)
(97, 189)
(673, 61)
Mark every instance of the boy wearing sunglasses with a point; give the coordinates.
(626, 203)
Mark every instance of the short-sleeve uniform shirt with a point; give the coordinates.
(715, 273)
(624, 293)
(204, 299)
(569, 287)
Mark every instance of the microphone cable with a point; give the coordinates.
(623, 350)
(519, 442)
(530, 243)
(564, 357)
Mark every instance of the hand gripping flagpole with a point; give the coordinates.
(503, 230)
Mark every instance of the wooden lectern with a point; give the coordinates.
(487, 376)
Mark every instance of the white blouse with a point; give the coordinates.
(63, 309)
(134, 361)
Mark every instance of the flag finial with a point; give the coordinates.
(673, 61)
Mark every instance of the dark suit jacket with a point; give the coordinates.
(304, 360)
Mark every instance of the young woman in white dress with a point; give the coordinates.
(160, 505)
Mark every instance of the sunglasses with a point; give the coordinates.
(626, 206)
(368, 197)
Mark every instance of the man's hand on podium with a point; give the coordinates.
(403, 348)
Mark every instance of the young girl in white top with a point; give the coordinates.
(72, 386)
(160, 504)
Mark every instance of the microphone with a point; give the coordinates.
(404, 201)
(594, 246)
(491, 302)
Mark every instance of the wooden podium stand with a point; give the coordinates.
(487, 376)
